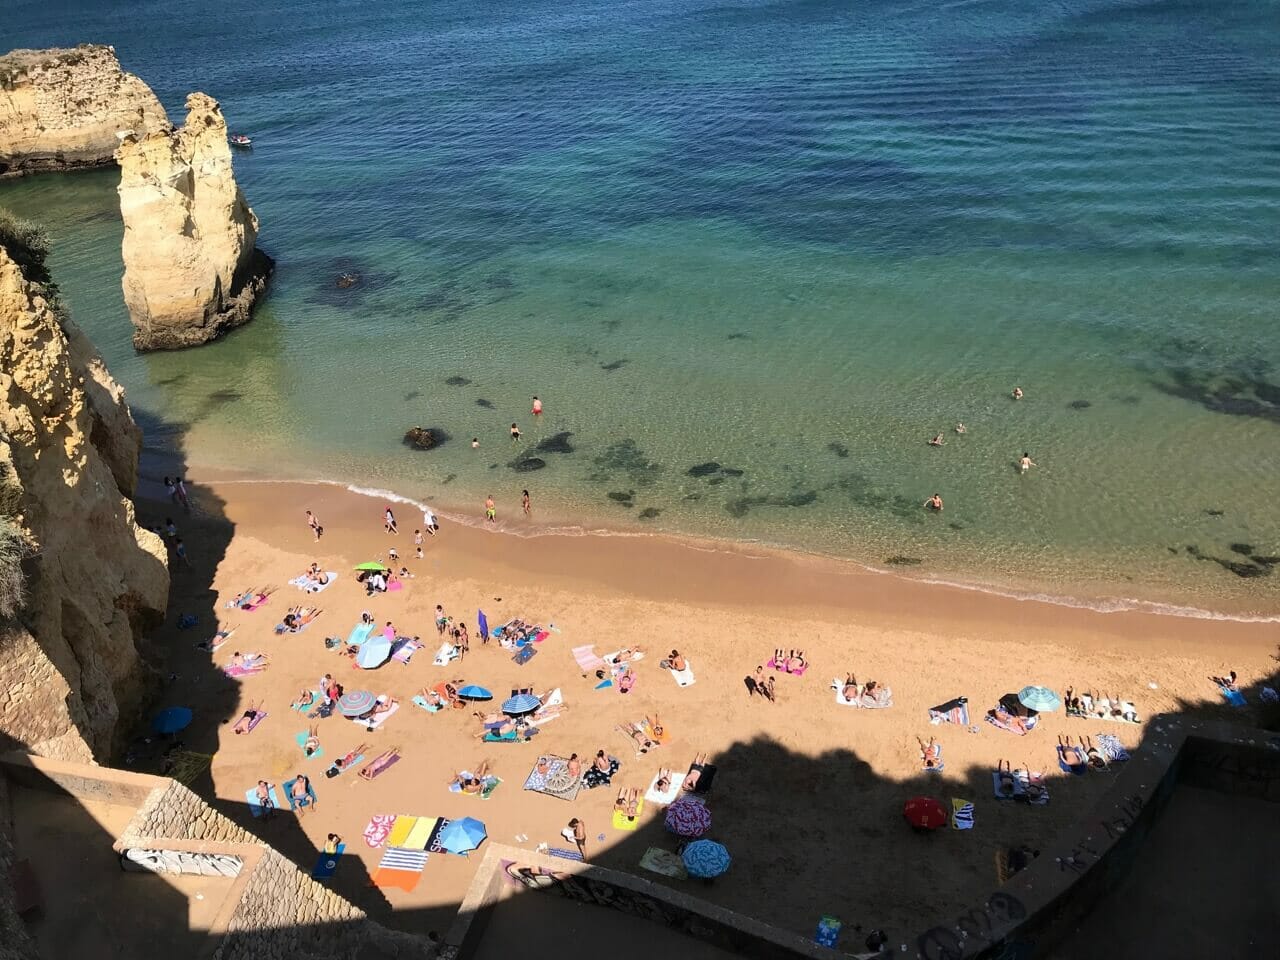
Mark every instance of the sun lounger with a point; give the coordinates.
(999, 718)
(445, 655)
(622, 822)
(953, 711)
(683, 678)
(588, 660)
(774, 665)
(556, 782)
(592, 778)
(336, 768)
(374, 722)
(307, 585)
(300, 739)
(421, 701)
(666, 798)
(524, 655)
(294, 802)
(380, 765)
(327, 863)
(255, 806)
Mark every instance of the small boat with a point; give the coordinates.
(240, 140)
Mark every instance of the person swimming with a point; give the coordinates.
(537, 407)
(961, 428)
(1017, 393)
(934, 503)
(1026, 463)
(937, 441)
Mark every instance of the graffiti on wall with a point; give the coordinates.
(973, 929)
(178, 862)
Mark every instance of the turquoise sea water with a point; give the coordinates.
(794, 239)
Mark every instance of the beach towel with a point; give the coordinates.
(525, 654)
(359, 634)
(593, 778)
(400, 867)
(376, 721)
(999, 718)
(338, 766)
(300, 739)
(400, 830)
(664, 863)
(938, 766)
(564, 854)
(1024, 779)
(379, 828)
(420, 834)
(487, 786)
(307, 585)
(669, 795)
(953, 711)
(603, 684)
(511, 736)
(296, 802)
(258, 717)
(395, 585)
(1079, 770)
(1233, 697)
(379, 765)
(327, 863)
(587, 659)
(881, 698)
(254, 604)
(655, 737)
(622, 822)
(1112, 748)
(421, 701)
(961, 814)
(235, 671)
(556, 782)
(447, 653)
(774, 665)
(255, 806)
(404, 649)
(612, 658)
(705, 779)
(185, 766)
(683, 678)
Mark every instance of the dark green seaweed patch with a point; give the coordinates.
(615, 365)
(457, 381)
(624, 498)
(649, 513)
(1079, 404)
(556, 444)
(487, 404)
(901, 561)
(626, 459)
(839, 449)
(1258, 566)
(527, 464)
(704, 469)
(741, 506)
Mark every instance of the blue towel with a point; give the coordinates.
(1233, 697)
(309, 799)
(421, 701)
(359, 634)
(256, 808)
(525, 655)
(1078, 771)
(564, 854)
(327, 863)
(300, 739)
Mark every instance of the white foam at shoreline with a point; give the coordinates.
(1098, 605)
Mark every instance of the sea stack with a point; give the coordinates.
(69, 109)
(191, 267)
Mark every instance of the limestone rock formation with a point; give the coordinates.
(69, 661)
(191, 268)
(67, 109)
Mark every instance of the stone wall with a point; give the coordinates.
(15, 942)
(65, 109)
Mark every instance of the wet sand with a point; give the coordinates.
(810, 792)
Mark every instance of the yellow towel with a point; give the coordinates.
(420, 834)
(622, 822)
(400, 832)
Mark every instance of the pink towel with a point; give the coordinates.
(379, 828)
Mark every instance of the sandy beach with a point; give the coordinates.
(808, 794)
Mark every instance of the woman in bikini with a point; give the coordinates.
(636, 733)
(852, 689)
(930, 753)
(311, 745)
(626, 680)
(675, 661)
(601, 762)
(663, 783)
(627, 803)
(474, 783)
(1096, 759)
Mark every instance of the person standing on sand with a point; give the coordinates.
(577, 832)
(524, 502)
(389, 521)
(515, 433)
(490, 511)
(934, 503)
(417, 543)
(314, 523)
(171, 489)
(180, 488)
(537, 407)
(1026, 463)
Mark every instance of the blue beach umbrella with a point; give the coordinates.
(354, 703)
(484, 624)
(373, 652)
(171, 720)
(706, 858)
(1039, 699)
(521, 703)
(472, 692)
(460, 836)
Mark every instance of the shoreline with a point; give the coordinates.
(1038, 594)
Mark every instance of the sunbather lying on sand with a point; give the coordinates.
(1004, 773)
(700, 761)
(1228, 682)
(311, 745)
(930, 752)
(263, 793)
(297, 618)
(636, 733)
(216, 641)
(249, 716)
(1096, 759)
(1009, 718)
(1072, 756)
(631, 653)
(663, 783)
(382, 706)
(852, 689)
(473, 783)
(343, 762)
(792, 661)
(305, 701)
(248, 661)
(626, 680)
(627, 803)
(250, 598)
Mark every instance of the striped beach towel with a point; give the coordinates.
(1111, 747)
(588, 660)
(564, 854)
(953, 711)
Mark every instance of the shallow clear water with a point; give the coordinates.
(792, 239)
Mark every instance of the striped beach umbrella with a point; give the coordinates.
(706, 858)
(355, 703)
(520, 704)
(688, 818)
(1039, 699)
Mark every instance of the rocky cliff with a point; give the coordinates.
(191, 269)
(67, 109)
(96, 582)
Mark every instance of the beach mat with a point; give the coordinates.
(300, 739)
(335, 768)
(880, 699)
(564, 854)
(327, 863)
(487, 786)
(307, 585)
(420, 701)
(962, 814)
(556, 782)
(255, 808)
(587, 659)
(376, 722)
(622, 822)
(775, 666)
(664, 799)
(185, 766)
(404, 649)
(526, 653)
(359, 634)
(664, 863)
(1112, 748)
(1233, 697)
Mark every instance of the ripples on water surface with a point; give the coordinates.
(791, 239)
